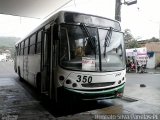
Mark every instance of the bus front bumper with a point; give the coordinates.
(113, 92)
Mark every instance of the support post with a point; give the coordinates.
(118, 10)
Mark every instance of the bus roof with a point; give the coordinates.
(75, 17)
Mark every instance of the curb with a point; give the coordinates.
(145, 73)
(153, 72)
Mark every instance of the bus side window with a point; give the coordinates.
(22, 45)
(18, 50)
(32, 44)
(26, 47)
(64, 45)
(55, 32)
(38, 44)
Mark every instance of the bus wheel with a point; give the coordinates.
(70, 104)
(19, 74)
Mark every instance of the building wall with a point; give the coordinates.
(151, 62)
(157, 58)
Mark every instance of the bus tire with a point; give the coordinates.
(15, 69)
(69, 103)
(19, 74)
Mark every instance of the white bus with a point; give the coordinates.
(74, 54)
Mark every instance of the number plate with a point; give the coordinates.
(84, 79)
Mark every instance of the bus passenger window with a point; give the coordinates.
(38, 47)
(18, 50)
(33, 39)
(21, 51)
(32, 44)
(64, 46)
(26, 47)
(26, 51)
(32, 49)
(26, 42)
(38, 44)
(22, 46)
(55, 32)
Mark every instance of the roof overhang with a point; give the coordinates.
(39, 9)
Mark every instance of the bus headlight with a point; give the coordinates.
(68, 81)
(61, 78)
(74, 85)
(119, 82)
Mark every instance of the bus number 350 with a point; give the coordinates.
(84, 79)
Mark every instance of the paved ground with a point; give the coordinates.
(19, 101)
(15, 100)
(154, 71)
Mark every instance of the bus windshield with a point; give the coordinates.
(84, 48)
(112, 48)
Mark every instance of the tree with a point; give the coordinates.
(127, 35)
(130, 41)
(8, 43)
(133, 44)
(153, 39)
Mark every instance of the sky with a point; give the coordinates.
(16, 26)
(142, 18)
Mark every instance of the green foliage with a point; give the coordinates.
(130, 41)
(153, 39)
(8, 43)
(133, 44)
(127, 35)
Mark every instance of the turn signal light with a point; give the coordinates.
(74, 85)
(119, 82)
(119, 94)
(61, 77)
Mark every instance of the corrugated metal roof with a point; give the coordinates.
(153, 46)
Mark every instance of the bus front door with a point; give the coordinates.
(46, 62)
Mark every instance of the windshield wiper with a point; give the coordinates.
(107, 40)
(90, 39)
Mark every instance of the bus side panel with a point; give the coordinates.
(17, 63)
(33, 68)
(15, 60)
(25, 67)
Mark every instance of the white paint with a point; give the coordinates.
(151, 62)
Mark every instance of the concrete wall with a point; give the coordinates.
(151, 61)
(157, 58)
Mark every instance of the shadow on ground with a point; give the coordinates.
(64, 109)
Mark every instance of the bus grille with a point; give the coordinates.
(97, 84)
